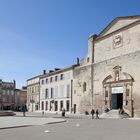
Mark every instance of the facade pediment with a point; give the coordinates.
(122, 78)
(118, 76)
(119, 23)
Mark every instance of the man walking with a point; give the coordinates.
(92, 113)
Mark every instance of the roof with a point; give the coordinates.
(38, 76)
(59, 71)
(113, 22)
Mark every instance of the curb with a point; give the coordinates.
(15, 127)
(56, 122)
(32, 125)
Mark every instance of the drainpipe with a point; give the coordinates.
(71, 94)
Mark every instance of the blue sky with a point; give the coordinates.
(44, 34)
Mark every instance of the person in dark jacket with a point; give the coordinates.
(92, 113)
(97, 114)
(63, 112)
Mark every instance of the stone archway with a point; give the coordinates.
(117, 90)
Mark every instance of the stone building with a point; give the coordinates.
(20, 98)
(56, 90)
(108, 77)
(33, 94)
(7, 95)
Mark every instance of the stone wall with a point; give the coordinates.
(129, 63)
(120, 43)
(81, 97)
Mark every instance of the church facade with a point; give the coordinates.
(108, 77)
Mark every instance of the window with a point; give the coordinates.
(61, 105)
(56, 78)
(32, 89)
(67, 105)
(56, 105)
(84, 86)
(42, 82)
(62, 77)
(51, 79)
(47, 81)
(50, 105)
(52, 92)
(46, 105)
(42, 105)
(47, 93)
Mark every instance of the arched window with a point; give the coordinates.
(84, 86)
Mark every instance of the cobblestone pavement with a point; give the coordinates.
(78, 128)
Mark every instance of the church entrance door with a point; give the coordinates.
(117, 100)
(117, 97)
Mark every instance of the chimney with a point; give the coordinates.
(50, 71)
(44, 72)
(77, 61)
(57, 69)
(14, 83)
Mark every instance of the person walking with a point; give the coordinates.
(92, 113)
(24, 110)
(97, 114)
(63, 112)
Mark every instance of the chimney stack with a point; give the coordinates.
(77, 61)
(44, 72)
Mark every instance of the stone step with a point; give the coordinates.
(111, 114)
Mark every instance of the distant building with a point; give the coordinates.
(7, 95)
(20, 98)
(33, 94)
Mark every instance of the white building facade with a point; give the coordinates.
(56, 90)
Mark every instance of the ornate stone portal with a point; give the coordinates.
(117, 91)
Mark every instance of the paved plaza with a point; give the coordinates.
(75, 128)
(12, 122)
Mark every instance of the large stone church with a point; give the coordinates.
(109, 75)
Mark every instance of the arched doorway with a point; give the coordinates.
(117, 90)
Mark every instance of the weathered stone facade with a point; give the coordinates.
(82, 89)
(111, 66)
(7, 95)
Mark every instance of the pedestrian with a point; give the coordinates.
(43, 113)
(63, 112)
(92, 113)
(24, 110)
(97, 114)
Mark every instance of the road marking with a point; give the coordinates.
(47, 131)
(77, 124)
